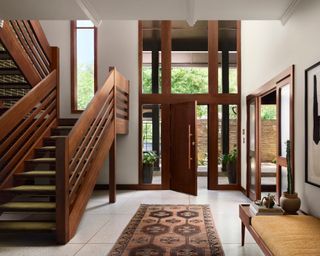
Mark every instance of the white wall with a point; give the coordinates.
(117, 46)
(267, 49)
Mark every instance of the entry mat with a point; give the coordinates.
(169, 230)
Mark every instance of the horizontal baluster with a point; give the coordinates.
(88, 144)
(75, 187)
(88, 115)
(33, 48)
(10, 119)
(26, 121)
(26, 48)
(28, 144)
(26, 134)
(36, 43)
(87, 136)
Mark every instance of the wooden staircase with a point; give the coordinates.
(48, 167)
(34, 190)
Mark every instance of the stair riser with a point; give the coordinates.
(39, 166)
(61, 132)
(45, 153)
(49, 142)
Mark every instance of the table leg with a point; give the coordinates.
(243, 231)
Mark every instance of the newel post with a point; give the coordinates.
(112, 151)
(62, 190)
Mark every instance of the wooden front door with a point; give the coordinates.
(183, 160)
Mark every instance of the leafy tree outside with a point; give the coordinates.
(85, 85)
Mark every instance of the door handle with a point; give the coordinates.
(189, 146)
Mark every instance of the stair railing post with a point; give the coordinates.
(62, 190)
(112, 151)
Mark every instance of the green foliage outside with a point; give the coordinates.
(268, 112)
(85, 85)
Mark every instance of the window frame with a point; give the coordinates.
(73, 50)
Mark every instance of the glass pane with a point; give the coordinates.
(285, 117)
(202, 136)
(252, 155)
(151, 78)
(151, 57)
(189, 57)
(284, 179)
(151, 141)
(227, 144)
(85, 23)
(85, 67)
(227, 56)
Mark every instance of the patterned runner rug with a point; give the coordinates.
(169, 230)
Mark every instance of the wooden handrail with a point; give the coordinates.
(87, 146)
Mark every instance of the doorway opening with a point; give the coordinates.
(268, 143)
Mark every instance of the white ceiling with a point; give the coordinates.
(148, 9)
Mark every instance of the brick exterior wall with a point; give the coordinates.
(268, 142)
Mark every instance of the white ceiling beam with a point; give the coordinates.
(289, 11)
(89, 11)
(191, 12)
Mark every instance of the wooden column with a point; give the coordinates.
(225, 108)
(166, 56)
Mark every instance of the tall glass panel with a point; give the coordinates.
(227, 57)
(227, 144)
(85, 63)
(252, 147)
(202, 147)
(189, 58)
(284, 117)
(151, 57)
(151, 141)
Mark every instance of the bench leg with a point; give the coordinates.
(243, 232)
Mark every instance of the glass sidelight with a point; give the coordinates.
(227, 144)
(252, 154)
(151, 144)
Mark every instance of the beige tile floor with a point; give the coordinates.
(103, 223)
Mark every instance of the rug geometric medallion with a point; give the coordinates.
(169, 230)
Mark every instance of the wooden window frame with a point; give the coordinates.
(73, 59)
(212, 99)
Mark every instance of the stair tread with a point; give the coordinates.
(43, 159)
(38, 173)
(27, 226)
(35, 188)
(48, 147)
(64, 127)
(28, 206)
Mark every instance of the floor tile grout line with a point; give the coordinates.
(79, 250)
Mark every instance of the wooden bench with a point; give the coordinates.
(282, 235)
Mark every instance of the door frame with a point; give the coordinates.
(284, 78)
(212, 99)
